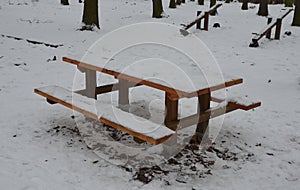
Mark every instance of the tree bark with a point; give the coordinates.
(288, 3)
(178, 2)
(200, 2)
(213, 3)
(296, 19)
(245, 5)
(64, 2)
(157, 9)
(90, 13)
(263, 8)
(172, 4)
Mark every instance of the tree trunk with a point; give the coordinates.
(245, 5)
(172, 4)
(263, 8)
(178, 2)
(64, 2)
(296, 19)
(200, 2)
(288, 3)
(90, 13)
(213, 3)
(157, 8)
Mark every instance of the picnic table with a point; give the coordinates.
(141, 128)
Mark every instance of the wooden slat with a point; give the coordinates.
(123, 94)
(133, 133)
(54, 99)
(101, 119)
(106, 88)
(213, 9)
(171, 111)
(198, 118)
(91, 83)
(238, 105)
(203, 106)
(175, 94)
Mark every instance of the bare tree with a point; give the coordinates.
(200, 2)
(245, 5)
(90, 14)
(172, 4)
(64, 2)
(288, 3)
(157, 8)
(263, 8)
(296, 19)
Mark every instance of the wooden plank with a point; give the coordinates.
(214, 9)
(268, 33)
(264, 31)
(238, 105)
(197, 20)
(278, 28)
(102, 119)
(171, 111)
(283, 15)
(198, 24)
(174, 93)
(203, 106)
(68, 105)
(91, 83)
(123, 94)
(206, 20)
(106, 88)
(133, 133)
(214, 88)
(198, 118)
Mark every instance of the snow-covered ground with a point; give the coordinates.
(40, 148)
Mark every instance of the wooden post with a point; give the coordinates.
(202, 127)
(123, 94)
(268, 34)
(278, 28)
(90, 83)
(171, 111)
(206, 20)
(198, 25)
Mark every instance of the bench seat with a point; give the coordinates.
(236, 100)
(108, 114)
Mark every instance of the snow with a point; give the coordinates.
(107, 111)
(32, 158)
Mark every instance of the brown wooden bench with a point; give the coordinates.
(268, 29)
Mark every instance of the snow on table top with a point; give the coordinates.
(160, 54)
(110, 112)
